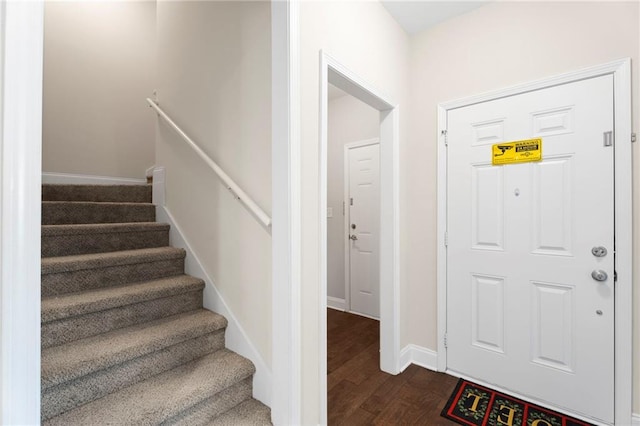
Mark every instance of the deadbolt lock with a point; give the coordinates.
(353, 226)
(599, 251)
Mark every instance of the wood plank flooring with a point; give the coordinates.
(360, 394)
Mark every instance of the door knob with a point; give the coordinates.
(353, 237)
(599, 275)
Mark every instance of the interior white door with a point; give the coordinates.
(363, 201)
(523, 309)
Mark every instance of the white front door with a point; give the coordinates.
(523, 310)
(363, 220)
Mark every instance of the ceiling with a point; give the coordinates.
(418, 15)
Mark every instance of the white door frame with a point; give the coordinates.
(331, 71)
(21, 57)
(621, 71)
(347, 242)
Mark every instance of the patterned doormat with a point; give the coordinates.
(475, 405)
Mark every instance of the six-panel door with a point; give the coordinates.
(523, 310)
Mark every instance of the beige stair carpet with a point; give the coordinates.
(125, 339)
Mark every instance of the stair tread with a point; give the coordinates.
(163, 396)
(52, 265)
(81, 357)
(250, 412)
(73, 304)
(101, 228)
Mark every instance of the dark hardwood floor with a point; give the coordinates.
(360, 394)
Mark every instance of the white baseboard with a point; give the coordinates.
(635, 419)
(423, 357)
(74, 179)
(336, 303)
(235, 336)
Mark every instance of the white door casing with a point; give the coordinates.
(362, 208)
(331, 71)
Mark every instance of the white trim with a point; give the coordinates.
(331, 71)
(346, 216)
(159, 175)
(635, 419)
(236, 338)
(423, 357)
(78, 179)
(21, 57)
(336, 303)
(441, 260)
(621, 71)
(149, 172)
(286, 232)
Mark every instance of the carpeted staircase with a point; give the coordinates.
(125, 339)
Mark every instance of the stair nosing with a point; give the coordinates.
(102, 359)
(62, 264)
(105, 299)
(102, 228)
(100, 203)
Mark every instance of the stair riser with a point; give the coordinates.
(62, 213)
(203, 412)
(97, 193)
(79, 327)
(86, 279)
(68, 245)
(67, 396)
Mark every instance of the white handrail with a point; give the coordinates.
(237, 192)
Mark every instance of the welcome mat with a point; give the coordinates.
(475, 405)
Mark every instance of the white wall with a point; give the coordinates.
(349, 120)
(497, 45)
(214, 80)
(99, 66)
(363, 37)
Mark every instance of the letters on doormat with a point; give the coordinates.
(475, 405)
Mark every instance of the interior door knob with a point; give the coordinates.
(599, 275)
(353, 237)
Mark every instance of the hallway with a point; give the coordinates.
(360, 394)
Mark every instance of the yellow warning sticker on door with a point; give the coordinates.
(517, 152)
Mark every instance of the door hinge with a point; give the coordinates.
(446, 137)
(446, 239)
(351, 201)
(445, 341)
(633, 137)
(607, 138)
(615, 276)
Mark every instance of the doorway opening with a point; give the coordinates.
(334, 73)
(353, 205)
